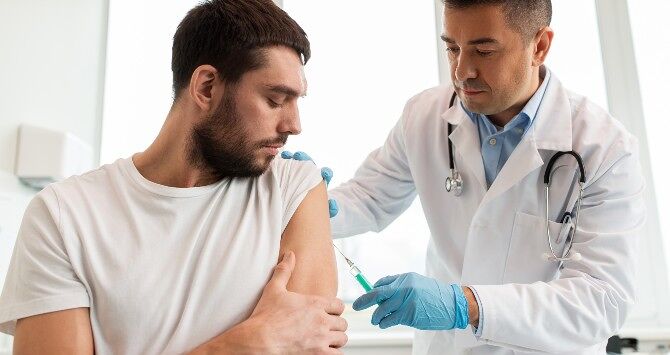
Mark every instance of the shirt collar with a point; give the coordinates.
(527, 114)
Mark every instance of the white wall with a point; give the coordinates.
(51, 69)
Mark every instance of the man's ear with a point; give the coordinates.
(542, 44)
(202, 86)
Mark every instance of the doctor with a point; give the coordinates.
(485, 266)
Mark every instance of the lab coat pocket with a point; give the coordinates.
(528, 243)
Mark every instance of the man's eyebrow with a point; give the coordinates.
(447, 39)
(483, 40)
(285, 90)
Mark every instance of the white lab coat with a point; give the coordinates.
(494, 238)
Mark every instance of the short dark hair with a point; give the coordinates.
(231, 36)
(524, 16)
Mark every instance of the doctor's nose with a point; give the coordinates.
(464, 70)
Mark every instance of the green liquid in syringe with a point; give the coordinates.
(360, 278)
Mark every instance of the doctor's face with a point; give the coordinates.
(491, 65)
(253, 118)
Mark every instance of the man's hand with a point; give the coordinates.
(326, 174)
(285, 322)
(416, 301)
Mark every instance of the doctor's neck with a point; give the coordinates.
(526, 90)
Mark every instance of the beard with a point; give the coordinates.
(220, 144)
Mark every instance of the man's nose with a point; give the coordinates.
(290, 121)
(464, 68)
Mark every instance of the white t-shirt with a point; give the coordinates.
(162, 269)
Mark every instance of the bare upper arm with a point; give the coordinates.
(308, 236)
(63, 332)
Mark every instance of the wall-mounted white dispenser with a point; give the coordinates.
(44, 156)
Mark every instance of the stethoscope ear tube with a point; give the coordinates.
(449, 129)
(550, 165)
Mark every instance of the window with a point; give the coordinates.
(653, 55)
(575, 56)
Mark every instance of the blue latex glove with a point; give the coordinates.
(416, 301)
(326, 174)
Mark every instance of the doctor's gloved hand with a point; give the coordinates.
(416, 301)
(326, 174)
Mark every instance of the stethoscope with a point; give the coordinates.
(454, 183)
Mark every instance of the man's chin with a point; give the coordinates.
(482, 109)
(262, 165)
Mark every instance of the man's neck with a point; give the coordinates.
(166, 161)
(504, 117)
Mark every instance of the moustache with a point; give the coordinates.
(274, 141)
(471, 85)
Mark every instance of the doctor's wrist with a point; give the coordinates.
(473, 307)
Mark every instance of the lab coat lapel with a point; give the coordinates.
(524, 159)
(466, 143)
(551, 130)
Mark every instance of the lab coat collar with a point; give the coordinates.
(455, 114)
(552, 129)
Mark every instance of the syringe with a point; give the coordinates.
(355, 272)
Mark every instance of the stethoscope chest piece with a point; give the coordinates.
(454, 183)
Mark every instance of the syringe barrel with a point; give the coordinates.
(360, 278)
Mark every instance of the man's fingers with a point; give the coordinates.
(338, 324)
(283, 271)
(334, 306)
(338, 339)
(286, 154)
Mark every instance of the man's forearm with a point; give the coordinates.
(216, 346)
(233, 341)
(473, 307)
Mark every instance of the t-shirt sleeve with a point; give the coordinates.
(40, 278)
(296, 179)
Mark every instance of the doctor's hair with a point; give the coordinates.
(232, 36)
(526, 17)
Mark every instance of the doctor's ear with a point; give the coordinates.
(203, 86)
(541, 45)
